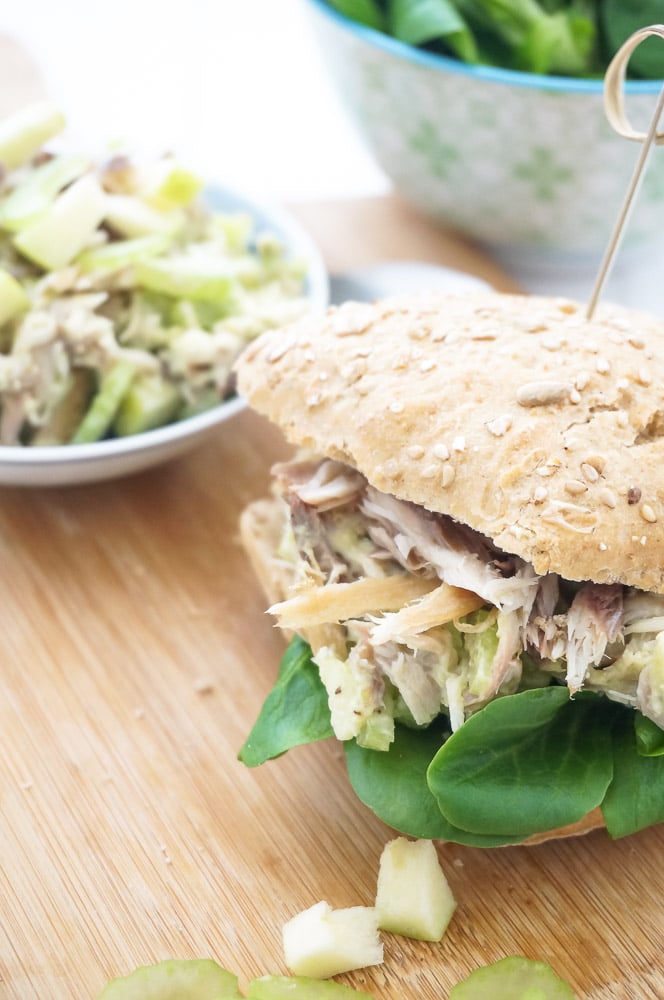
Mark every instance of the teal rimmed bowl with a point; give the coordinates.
(526, 164)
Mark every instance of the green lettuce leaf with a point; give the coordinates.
(418, 22)
(635, 798)
(523, 764)
(649, 737)
(366, 12)
(295, 712)
(394, 786)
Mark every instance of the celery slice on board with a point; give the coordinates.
(150, 402)
(175, 979)
(32, 197)
(105, 404)
(209, 280)
(123, 253)
(513, 978)
(26, 131)
(64, 228)
(13, 298)
(300, 988)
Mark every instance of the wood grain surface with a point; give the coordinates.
(134, 656)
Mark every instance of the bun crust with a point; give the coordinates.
(513, 414)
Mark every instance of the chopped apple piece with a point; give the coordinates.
(321, 942)
(300, 988)
(413, 897)
(65, 228)
(130, 216)
(25, 132)
(35, 194)
(168, 185)
(13, 299)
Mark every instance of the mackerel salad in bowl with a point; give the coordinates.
(127, 291)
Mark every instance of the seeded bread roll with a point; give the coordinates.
(513, 414)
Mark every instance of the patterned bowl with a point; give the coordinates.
(526, 164)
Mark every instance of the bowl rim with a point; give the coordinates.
(300, 243)
(492, 74)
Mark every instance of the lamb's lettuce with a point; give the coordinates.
(566, 37)
(295, 711)
(524, 764)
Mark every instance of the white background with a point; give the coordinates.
(237, 87)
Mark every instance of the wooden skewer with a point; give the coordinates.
(614, 106)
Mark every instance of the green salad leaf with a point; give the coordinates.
(649, 737)
(366, 12)
(295, 712)
(418, 22)
(565, 37)
(635, 797)
(525, 763)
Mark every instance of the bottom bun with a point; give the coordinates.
(261, 528)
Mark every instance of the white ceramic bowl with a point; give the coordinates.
(526, 164)
(65, 465)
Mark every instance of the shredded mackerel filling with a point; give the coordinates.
(412, 614)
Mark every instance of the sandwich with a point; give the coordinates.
(467, 554)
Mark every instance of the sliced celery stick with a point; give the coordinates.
(13, 298)
(209, 280)
(300, 988)
(150, 402)
(123, 253)
(204, 402)
(34, 195)
(64, 229)
(175, 979)
(24, 132)
(130, 216)
(68, 411)
(105, 404)
(513, 978)
(171, 186)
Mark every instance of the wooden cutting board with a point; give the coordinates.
(134, 656)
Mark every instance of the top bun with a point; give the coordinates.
(513, 414)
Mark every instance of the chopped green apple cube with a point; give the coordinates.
(513, 978)
(25, 132)
(65, 228)
(321, 942)
(207, 279)
(29, 199)
(300, 988)
(130, 216)
(413, 897)
(168, 185)
(175, 979)
(13, 297)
